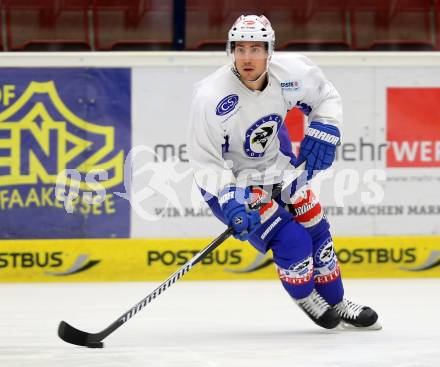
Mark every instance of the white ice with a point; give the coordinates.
(209, 324)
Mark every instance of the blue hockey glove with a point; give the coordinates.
(318, 148)
(233, 201)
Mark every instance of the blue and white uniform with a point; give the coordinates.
(237, 137)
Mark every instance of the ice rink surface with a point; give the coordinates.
(208, 324)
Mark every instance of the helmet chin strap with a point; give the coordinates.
(261, 75)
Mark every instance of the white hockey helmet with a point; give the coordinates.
(251, 28)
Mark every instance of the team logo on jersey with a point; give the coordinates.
(261, 134)
(226, 105)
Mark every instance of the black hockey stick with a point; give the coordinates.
(75, 336)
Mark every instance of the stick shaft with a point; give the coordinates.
(178, 274)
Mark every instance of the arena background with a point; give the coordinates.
(100, 122)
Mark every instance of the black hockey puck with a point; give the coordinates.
(95, 345)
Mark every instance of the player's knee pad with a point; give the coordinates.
(307, 211)
(305, 208)
(292, 254)
(273, 218)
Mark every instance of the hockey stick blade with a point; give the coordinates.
(72, 335)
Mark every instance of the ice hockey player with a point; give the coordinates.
(239, 149)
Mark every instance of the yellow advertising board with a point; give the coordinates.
(77, 260)
(389, 257)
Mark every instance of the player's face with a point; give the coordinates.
(250, 59)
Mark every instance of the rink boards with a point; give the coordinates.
(155, 259)
(116, 124)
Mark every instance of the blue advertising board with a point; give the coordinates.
(64, 122)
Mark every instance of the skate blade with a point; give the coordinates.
(346, 326)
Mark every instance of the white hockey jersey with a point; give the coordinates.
(233, 134)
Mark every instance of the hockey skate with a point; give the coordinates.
(354, 316)
(319, 310)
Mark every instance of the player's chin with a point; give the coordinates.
(248, 74)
